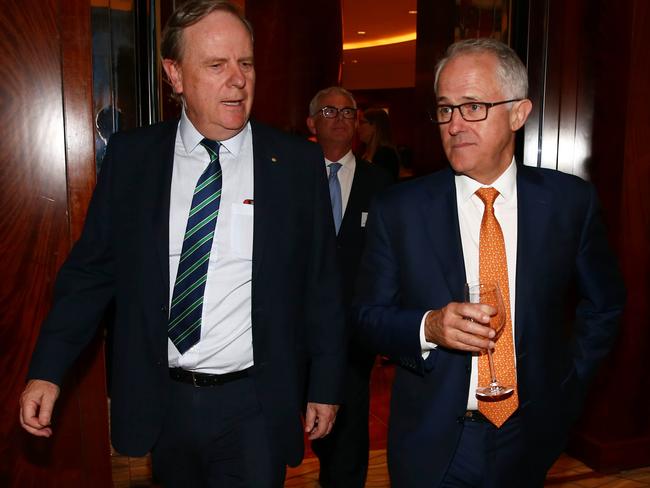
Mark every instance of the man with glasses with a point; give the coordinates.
(538, 234)
(353, 183)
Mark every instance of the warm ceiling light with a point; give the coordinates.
(382, 41)
(361, 33)
(413, 12)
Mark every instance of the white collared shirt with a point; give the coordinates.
(345, 176)
(226, 343)
(470, 213)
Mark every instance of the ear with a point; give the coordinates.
(311, 126)
(174, 75)
(519, 114)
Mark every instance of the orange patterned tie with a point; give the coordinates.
(493, 266)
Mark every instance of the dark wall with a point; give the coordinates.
(298, 51)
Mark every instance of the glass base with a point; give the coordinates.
(495, 390)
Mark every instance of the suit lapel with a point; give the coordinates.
(533, 205)
(162, 163)
(353, 208)
(265, 182)
(440, 213)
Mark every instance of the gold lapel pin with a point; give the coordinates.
(274, 159)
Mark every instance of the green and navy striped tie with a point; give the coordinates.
(187, 300)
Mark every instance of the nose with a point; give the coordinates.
(237, 78)
(457, 122)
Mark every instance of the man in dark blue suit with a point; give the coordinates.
(213, 235)
(425, 240)
(343, 455)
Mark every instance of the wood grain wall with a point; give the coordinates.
(46, 178)
(298, 51)
(589, 67)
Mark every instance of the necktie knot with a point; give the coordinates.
(334, 169)
(487, 195)
(212, 147)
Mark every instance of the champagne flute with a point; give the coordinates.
(490, 294)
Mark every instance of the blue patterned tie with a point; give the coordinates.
(187, 300)
(335, 195)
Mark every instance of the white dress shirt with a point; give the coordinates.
(345, 176)
(226, 342)
(470, 213)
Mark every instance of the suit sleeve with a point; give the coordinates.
(83, 288)
(601, 294)
(384, 323)
(326, 333)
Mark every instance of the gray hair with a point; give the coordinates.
(511, 72)
(315, 102)
(188, 14)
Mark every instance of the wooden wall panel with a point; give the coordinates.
(621, 170)
(589, 67)
(558, 133)
(435, 26)
(298, 51)
(46, 175)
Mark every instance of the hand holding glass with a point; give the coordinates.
(490, 294)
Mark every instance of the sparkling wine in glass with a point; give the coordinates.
(490, 294)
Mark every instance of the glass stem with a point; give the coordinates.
(491, 363)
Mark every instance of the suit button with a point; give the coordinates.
(164, 309)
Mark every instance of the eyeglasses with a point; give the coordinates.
(470, 111)
(333, 112)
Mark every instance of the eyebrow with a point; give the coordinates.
(226, 59)
(465, 99)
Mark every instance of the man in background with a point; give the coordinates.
(538, 234)
(353, 183)
(214, 237)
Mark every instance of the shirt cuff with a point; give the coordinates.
(425, 346)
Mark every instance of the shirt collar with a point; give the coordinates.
(345, 160)
(505, 184)
(191, 137)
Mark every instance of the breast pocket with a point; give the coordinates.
(241, 231)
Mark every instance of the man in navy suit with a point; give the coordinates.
(220, 403)
(343, 455)
(423, 245)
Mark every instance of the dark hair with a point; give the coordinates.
(378, 118)
(189, 13)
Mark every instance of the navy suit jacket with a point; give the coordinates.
(123, 255)
(414, 263)
(367, 182)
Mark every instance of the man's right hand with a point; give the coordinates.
(463, 326)
(36, 405)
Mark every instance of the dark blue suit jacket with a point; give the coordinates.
(123, 255)
(414, 262)
(368, 181)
